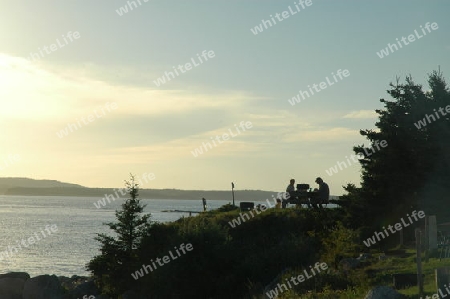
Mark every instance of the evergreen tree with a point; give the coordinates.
(113, 267)
(412, 171)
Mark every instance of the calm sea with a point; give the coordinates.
(77, 220)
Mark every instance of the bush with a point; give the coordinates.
(338, 243)
(227, 208)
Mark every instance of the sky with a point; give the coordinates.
(83, 98)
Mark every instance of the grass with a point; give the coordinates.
(379, 272)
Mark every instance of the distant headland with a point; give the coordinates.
(32, 187)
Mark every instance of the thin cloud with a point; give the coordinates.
(323, 135)
(34, 91)
(362, 114)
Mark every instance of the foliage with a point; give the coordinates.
(339, 242)
(232, 261)
(228, 207)
(119, 254)
(412, 171)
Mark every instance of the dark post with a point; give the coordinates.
(426, 238)
(204, 204)
(232, 192)
(442, 280)
(419, 261)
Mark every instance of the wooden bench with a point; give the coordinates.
(306, 198)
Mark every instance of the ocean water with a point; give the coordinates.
(55, 235)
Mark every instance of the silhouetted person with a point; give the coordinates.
(291, 187)
(291, 190)
(323, 194)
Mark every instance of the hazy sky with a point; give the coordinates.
(250, 77)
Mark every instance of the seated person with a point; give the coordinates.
(291, 190)
(322, 195)
(290, 187)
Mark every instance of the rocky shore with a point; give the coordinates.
(19, 285)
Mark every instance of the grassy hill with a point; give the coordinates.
(9, 183)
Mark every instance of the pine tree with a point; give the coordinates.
(412, 172)
(113, 267)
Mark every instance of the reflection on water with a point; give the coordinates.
(78, 221)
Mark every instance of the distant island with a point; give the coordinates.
(32, 187)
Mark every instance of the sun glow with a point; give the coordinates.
(25, 90)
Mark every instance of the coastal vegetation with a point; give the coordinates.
(265, 251)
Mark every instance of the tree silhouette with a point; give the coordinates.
(412, 172)
(113, 267)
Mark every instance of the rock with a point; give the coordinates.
(383, 292)
(43, 287)
(11, 288)
(405, 280)
(22, 275)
